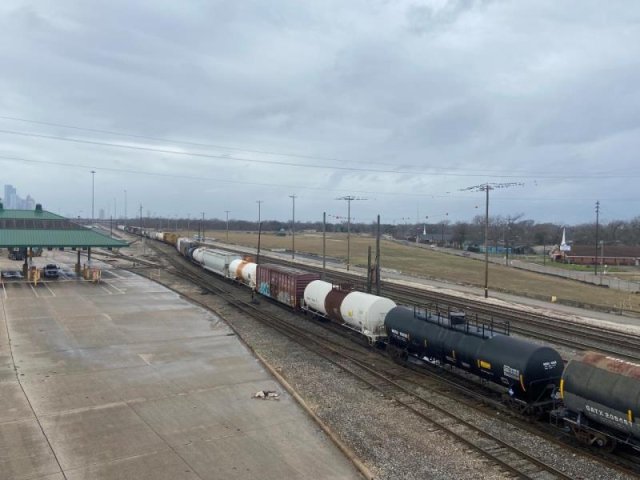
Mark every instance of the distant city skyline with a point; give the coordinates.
(13, 201)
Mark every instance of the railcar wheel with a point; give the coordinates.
(398, 355)
(597, 440)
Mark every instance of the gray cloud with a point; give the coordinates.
(456, 92)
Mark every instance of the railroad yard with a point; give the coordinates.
(445, 266)
(368, 400)
(393, 421)
(390, 240)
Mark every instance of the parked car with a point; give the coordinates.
(12, 274)
(16, 253)
(51, 271)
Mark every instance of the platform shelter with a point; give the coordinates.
(31, 229)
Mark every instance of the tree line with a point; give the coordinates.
(511, 230)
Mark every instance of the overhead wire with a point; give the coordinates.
(243, 149)
(304, 165)
(406, 193)
(202, 178)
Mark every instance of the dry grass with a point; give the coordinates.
(428, 263)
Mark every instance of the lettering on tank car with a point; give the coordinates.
(511, 372)
(550, 365)
(609, 416)
(397, 333)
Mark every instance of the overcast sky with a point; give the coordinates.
(204, 106)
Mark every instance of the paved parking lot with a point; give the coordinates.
(125, 379)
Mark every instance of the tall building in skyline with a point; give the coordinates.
(12, 201)
(9, 197)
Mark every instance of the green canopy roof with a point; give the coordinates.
(39, 228)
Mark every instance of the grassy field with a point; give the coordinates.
(428, 263)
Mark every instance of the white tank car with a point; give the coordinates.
(180, 241)
(158, 236)
(243, 271)
(216, 261)
(198, 255)
(315, 295)
(365, 313)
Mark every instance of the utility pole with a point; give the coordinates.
(140, 215)
(446, 219)
(378, 257)
(595, 265)
(203, 237)
(324, 243)
(293, 228)
(259, 202)
(486, 187)
(93, 194)
(227, 212)
(349, 199)
(125, 205)
(369, 270)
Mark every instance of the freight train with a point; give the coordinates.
(595, 397)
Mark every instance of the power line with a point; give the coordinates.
(166, 140)
(404, 193)
(201, 178)
(241, 149)
(293, 164)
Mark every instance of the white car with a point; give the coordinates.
(12, 274)
(51, 271)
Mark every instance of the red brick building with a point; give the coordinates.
(607, 255)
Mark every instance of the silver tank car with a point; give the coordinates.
(216, 261)
(602, 391)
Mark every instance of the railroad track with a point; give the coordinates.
(564, 332)
(392, 384)
(513, 461)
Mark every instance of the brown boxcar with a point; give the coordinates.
(284, 284)
(170, 238)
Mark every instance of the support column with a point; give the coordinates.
(89, 256)
(25, 266)
(78, 266)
